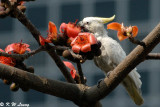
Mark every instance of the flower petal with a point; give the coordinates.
(7, 61)
(76, 48)
(52, 28)
(73, 73)
(63, 27)
(73, 40)
(92, 39)
(1, 50)
(86, 47)
(9, 48)
(121, 36)
(28, 49)
(114, 26)
(42, 40)
(69, 65)
(134, 31)
(72, 30)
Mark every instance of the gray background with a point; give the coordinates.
(143, 13)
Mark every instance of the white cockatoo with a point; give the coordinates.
(112, 54)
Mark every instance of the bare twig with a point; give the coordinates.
(153, 56)
(135, 41)
(77, 56)
(61, 48)
(80, 72)
(22, 57)
(23, 19)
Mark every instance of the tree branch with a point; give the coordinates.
(23, 19)
(135, 41)
(68, 91)
(22, 56)
(60, 89)
(153, 56)
(80, 72)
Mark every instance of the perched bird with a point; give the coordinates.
(112, 54)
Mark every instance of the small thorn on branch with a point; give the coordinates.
(135, 41)
(153, 56)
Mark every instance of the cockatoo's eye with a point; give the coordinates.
(87, 23)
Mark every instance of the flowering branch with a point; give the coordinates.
(24, 20)
(153, 56)
(22, 57)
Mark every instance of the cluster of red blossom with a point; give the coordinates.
(14, 48)
(83, 43)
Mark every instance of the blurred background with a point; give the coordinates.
(143, 13)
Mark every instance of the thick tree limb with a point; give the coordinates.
(60, 89)
(23, 19)
(68, 91)
(153, 56)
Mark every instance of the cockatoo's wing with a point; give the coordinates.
(114, 54)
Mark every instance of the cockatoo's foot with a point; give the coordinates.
(108, 73)
(99, 81)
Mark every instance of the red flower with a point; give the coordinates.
(21, 2)
(83, 42)
(7, 60)
(18, 48)
(71, 29)
(71, 67)
(123, 32)
(52, 34)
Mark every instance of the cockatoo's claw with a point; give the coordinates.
(108, 73)
(99, 81)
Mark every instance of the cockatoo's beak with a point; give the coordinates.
(106, 20)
